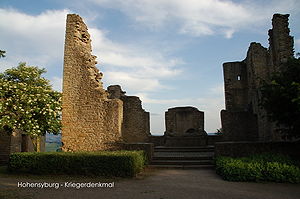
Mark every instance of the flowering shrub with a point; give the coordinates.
(27, 102)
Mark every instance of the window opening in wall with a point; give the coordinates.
(238, 77)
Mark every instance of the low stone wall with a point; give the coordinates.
(157, 140)
(16, 142)
(212, 139)
(147, 147)
(186, 141)
(239, 126)
(162, 140)
(5, 140)
(241, 149)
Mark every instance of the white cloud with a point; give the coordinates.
(39, 39)
(132, 82)
(56, 83)
(200, 17)
(135, 68)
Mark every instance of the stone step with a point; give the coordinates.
(183, 153)
(181, 166)
(183, 158)
(184, 149)
(182, 162)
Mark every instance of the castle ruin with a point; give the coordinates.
(97, 119)
(92, 118)
(244, 119)
(136, 121)
(90, 121)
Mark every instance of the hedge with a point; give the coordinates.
(112, 163)
(264, 167)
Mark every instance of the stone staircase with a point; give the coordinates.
(183, 157)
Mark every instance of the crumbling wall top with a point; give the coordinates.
(78, 55)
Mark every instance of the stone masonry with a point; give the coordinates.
(184, 121)
(243, 119)
(90, 120)
(185, 127)
(136, 121)
(16, 142)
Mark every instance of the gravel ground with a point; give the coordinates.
(152, 184)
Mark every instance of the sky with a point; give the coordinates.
(167, 52)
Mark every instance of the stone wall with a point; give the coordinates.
(239, 126)
(90, 121)
(281, 44)
(16, 142)
(244, 149)
(4, 147)
(136, 121)
(243, 79)
(212, 139)
(148, 149)
(157, 140)
(235, 80)
(184, 121)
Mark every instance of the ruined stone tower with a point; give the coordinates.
(90, 121)
(243, 119)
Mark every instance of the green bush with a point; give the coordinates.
(113, 163)
(263, 167)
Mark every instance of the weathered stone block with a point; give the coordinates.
(184, 121)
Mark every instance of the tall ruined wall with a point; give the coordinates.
(136, 121)
(235, 80)
(258, 70)
(184, 121)
(90, 121)
(243, 95)
(281, 43)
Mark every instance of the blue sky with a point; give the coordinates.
(167, 52)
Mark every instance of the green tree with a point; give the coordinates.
(2, 53)
(281, 99)
(28, 103)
